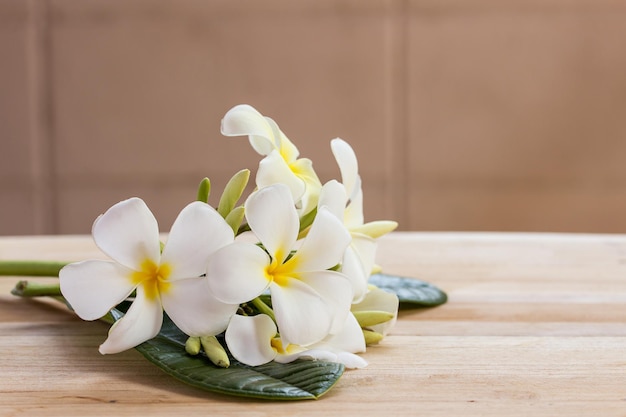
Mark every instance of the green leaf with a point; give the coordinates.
(410, 291)
(299, 380)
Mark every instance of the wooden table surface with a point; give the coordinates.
(535, 325)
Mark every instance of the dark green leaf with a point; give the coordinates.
(410, 292)
(298, 380)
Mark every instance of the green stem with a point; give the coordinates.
(28, 289)
(31, 268)
(263, 308)
(35, 289)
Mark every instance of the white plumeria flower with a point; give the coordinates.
(358, 258)
(346, 202)
(308, 300)
(172, 280)
(353, 215)
(281, 163)
(254, 341)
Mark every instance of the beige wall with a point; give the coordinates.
(465, 115)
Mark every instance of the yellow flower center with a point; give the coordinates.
(297, 168)
(277, 345)
(153, 278)
(281, 273)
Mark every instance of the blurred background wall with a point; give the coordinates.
(465, 114)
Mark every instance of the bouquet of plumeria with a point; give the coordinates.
(282, 278)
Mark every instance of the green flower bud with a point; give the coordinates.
(371, 338)
(307, 220)
(204, 189)
(233, 191)
(214, 351)
(192, 345)
(372, 318)
(235, 217)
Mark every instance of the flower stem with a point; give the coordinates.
(263, 308)
(34, 289)
(31, 268)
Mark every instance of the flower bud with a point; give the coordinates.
(214, 351)
(233, 191)
(204, 189)
(372, 318)
(371, 338)
(192, 346)
(235, 218)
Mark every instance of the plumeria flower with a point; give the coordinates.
(254, 341)
(358, 258)
(281, 163)
(172, 280)
(353, 215)
(309, 300)
(346, 202)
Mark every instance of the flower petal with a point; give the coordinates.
(353, 216)
(128, 233)
(236, 273)
(365, 248)
(244, 120)
(377, 228)
(348, 339)
(249, 339)
(352, 267)
(273, 219)
(195, 311)
(333, 196)
(336, 291)
(141, 322)
(351, 361)
(325, 244)
(308, 354)
(198, 231)
(303, 169)
(94, 287)
(302, 315)
(274, 170)
(347, 161)
(287, 149)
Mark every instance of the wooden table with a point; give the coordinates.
(535, 325)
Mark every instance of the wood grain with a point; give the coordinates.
(534, 326)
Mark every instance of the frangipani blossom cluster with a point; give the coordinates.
(282, 276)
